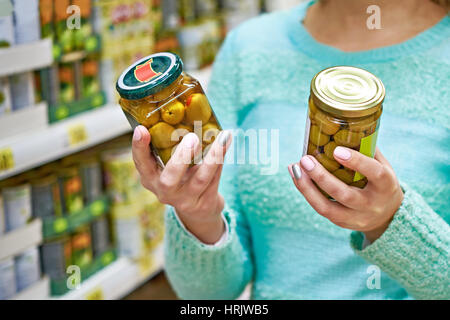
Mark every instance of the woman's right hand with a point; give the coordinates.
(193, 192)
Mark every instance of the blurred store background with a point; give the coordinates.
(75, 223)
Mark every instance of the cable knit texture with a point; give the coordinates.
(276, 241)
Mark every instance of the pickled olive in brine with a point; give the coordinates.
(360, 183)
(361, 125)
(165, 154)
(312, 149)
(210, 132)
(344, 175)
(317, 137)
(329, 164)
(344, 109)
(172, 112)
(161, 134)
(326, 123)
(329, 149)
(157, 94)
(197, 109)
(150, 114)
(348, 138)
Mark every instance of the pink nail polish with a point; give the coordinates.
(137, 135)
(342, 153)
(189, 140)
(307, 163)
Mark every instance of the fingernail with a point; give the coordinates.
(296, 171)
(137, 135)
(307, 163)
(224, 138)
(189, 140)
(342, 153)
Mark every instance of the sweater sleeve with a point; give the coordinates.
(414, 250)
(196, 270)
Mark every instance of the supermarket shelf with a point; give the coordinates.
(26, 57)
(32, 149)
(116, 280)
(16, 241)
(38, 291)
(27, 119)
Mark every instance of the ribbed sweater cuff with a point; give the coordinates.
(414, 250)
(183, 246)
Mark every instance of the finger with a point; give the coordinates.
(180, 161)
(333, 211)
(207, 169)
(143, 159)
(337, 189)
(371, 168)
(213, 188)
(380, 157)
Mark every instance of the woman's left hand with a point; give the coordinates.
(369, 210)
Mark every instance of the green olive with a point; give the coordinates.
(361, 125)
(360, 183)
(344, 175)
(317, 137)
(329, 149)
(312, 149)
(329, 164)
(326, 124)
(348, 138)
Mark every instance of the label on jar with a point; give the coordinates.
(305, 141)
(367, 148)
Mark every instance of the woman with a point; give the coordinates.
(303, 246)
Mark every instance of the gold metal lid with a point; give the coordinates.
(347, 91)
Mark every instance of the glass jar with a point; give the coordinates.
(156, 93)
(345, 106)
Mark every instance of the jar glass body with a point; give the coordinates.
(173, 112)
(326, 131)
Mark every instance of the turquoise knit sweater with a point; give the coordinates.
(276, 241)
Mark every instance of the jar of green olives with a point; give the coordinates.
(345, 106)
(156, 93)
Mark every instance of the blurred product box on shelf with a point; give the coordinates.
(2, 216)
(137, 214)
(46, 199)
(121, 178)
(237, 12)
(7, 279)
(275, 5)
(22, 90)
(6, 24)
(56, 255)
(92, 179)
(26, 21)
(100, 234)
(199, 43)
(126, 29)
(5, 96)
(16, 203)
(70, 189)
(27, 268)
(82, 247)
(46, 18)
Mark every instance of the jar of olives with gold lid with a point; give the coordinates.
(156, 93)
(345, 106)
